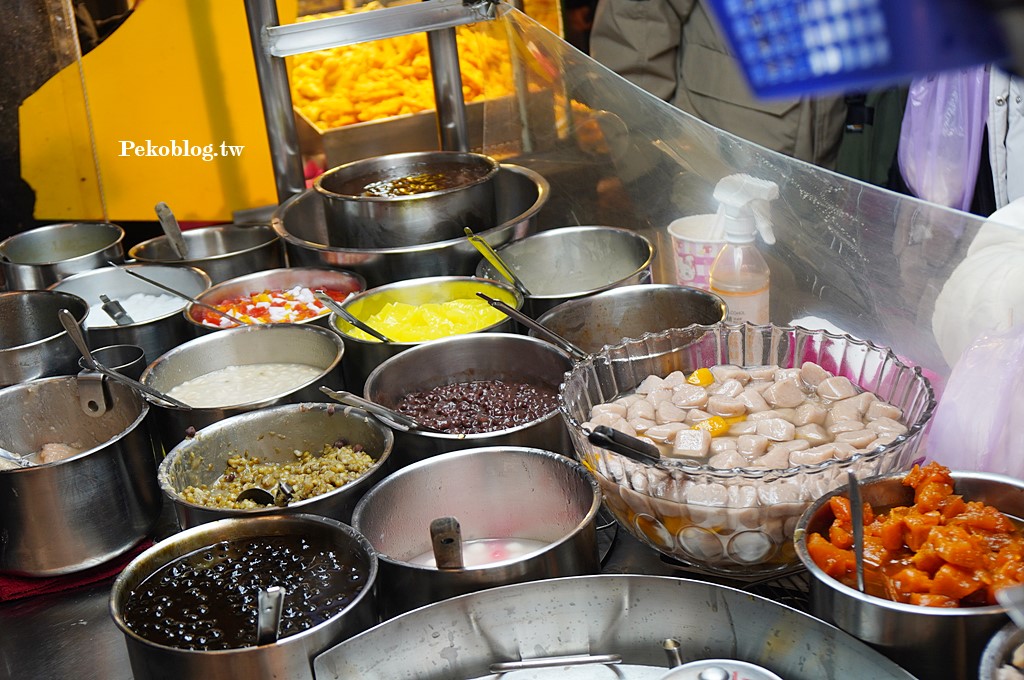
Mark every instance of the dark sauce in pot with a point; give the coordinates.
(207, 599)
(479, 406)
(426, 182)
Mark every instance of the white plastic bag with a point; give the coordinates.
(979, 422)
(941, 135)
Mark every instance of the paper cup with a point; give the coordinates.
(694, 252)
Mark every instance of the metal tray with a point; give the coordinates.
(626, 615)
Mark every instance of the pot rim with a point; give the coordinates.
(477, 158)
(549, 234)
(119, 593)
(134, 252)
(864, 599)
(575, 466)
(61, 226)
(543, 192)
(181, 449)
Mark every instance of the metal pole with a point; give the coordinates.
(452, 129)
(275, 94)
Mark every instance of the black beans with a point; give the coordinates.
(479, 406)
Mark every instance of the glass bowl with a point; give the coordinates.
(736, 522)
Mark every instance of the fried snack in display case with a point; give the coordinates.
(377, 97)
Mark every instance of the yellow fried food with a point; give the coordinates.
(390, 77)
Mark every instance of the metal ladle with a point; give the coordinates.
(623, 444)
(857, 518)
(552, 337)
(491, 255)
(332, 304)
(376, 409)
(178, 293)
(19, 461)
(280, 496)
(75, 333)
(172, 229)
(269, 606)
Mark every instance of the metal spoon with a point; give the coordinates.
(332, 304)
(553, 337)
(404, 421)
(491, 255)
(1012, 597)
(857, 517)
(19, 461)
(173, 231)
(269, 605)
(178, 293)
(280, 496)
(75, 333)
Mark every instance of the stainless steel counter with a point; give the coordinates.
(72, 636)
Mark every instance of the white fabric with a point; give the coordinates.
(1006, 135)
(985, 293)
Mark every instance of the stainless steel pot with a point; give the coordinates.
(999, 651)
(362, 356)
(931, 642)
(33, 342)
(495, 493)
(573, 262)
(154, 335)
(77, 513)
(301, 222)
(478, 356)
(224, 251)
(290, 657)
(270, 343)
(608, 317)
(628, 615)
(362, 219)
(37, 258)
(273, 435)
(275, 279)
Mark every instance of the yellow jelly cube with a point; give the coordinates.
(715, 425)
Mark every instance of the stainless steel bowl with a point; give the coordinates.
(930, 642)
(33, 343)
(359, 220)
(223, 251)
(286, 278)
(40, 257)
(277, 343)
(362, 356)
(609, 317)
(274, 435)
(156, 334)
(495, 493)
(568, 263)
(301, 222)
(69, 515)
(465, 358)
(628, 615)
(290, 657)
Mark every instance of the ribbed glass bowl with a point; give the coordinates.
(746, 532)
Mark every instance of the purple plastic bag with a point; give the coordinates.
(942, 133)
(977, 424)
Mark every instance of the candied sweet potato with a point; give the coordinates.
(943, 551)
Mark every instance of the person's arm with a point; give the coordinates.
(639, 40)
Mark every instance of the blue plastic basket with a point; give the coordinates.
(794, 47)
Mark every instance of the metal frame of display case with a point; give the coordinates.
(272, 42)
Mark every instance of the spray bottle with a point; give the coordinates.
(740, 274)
